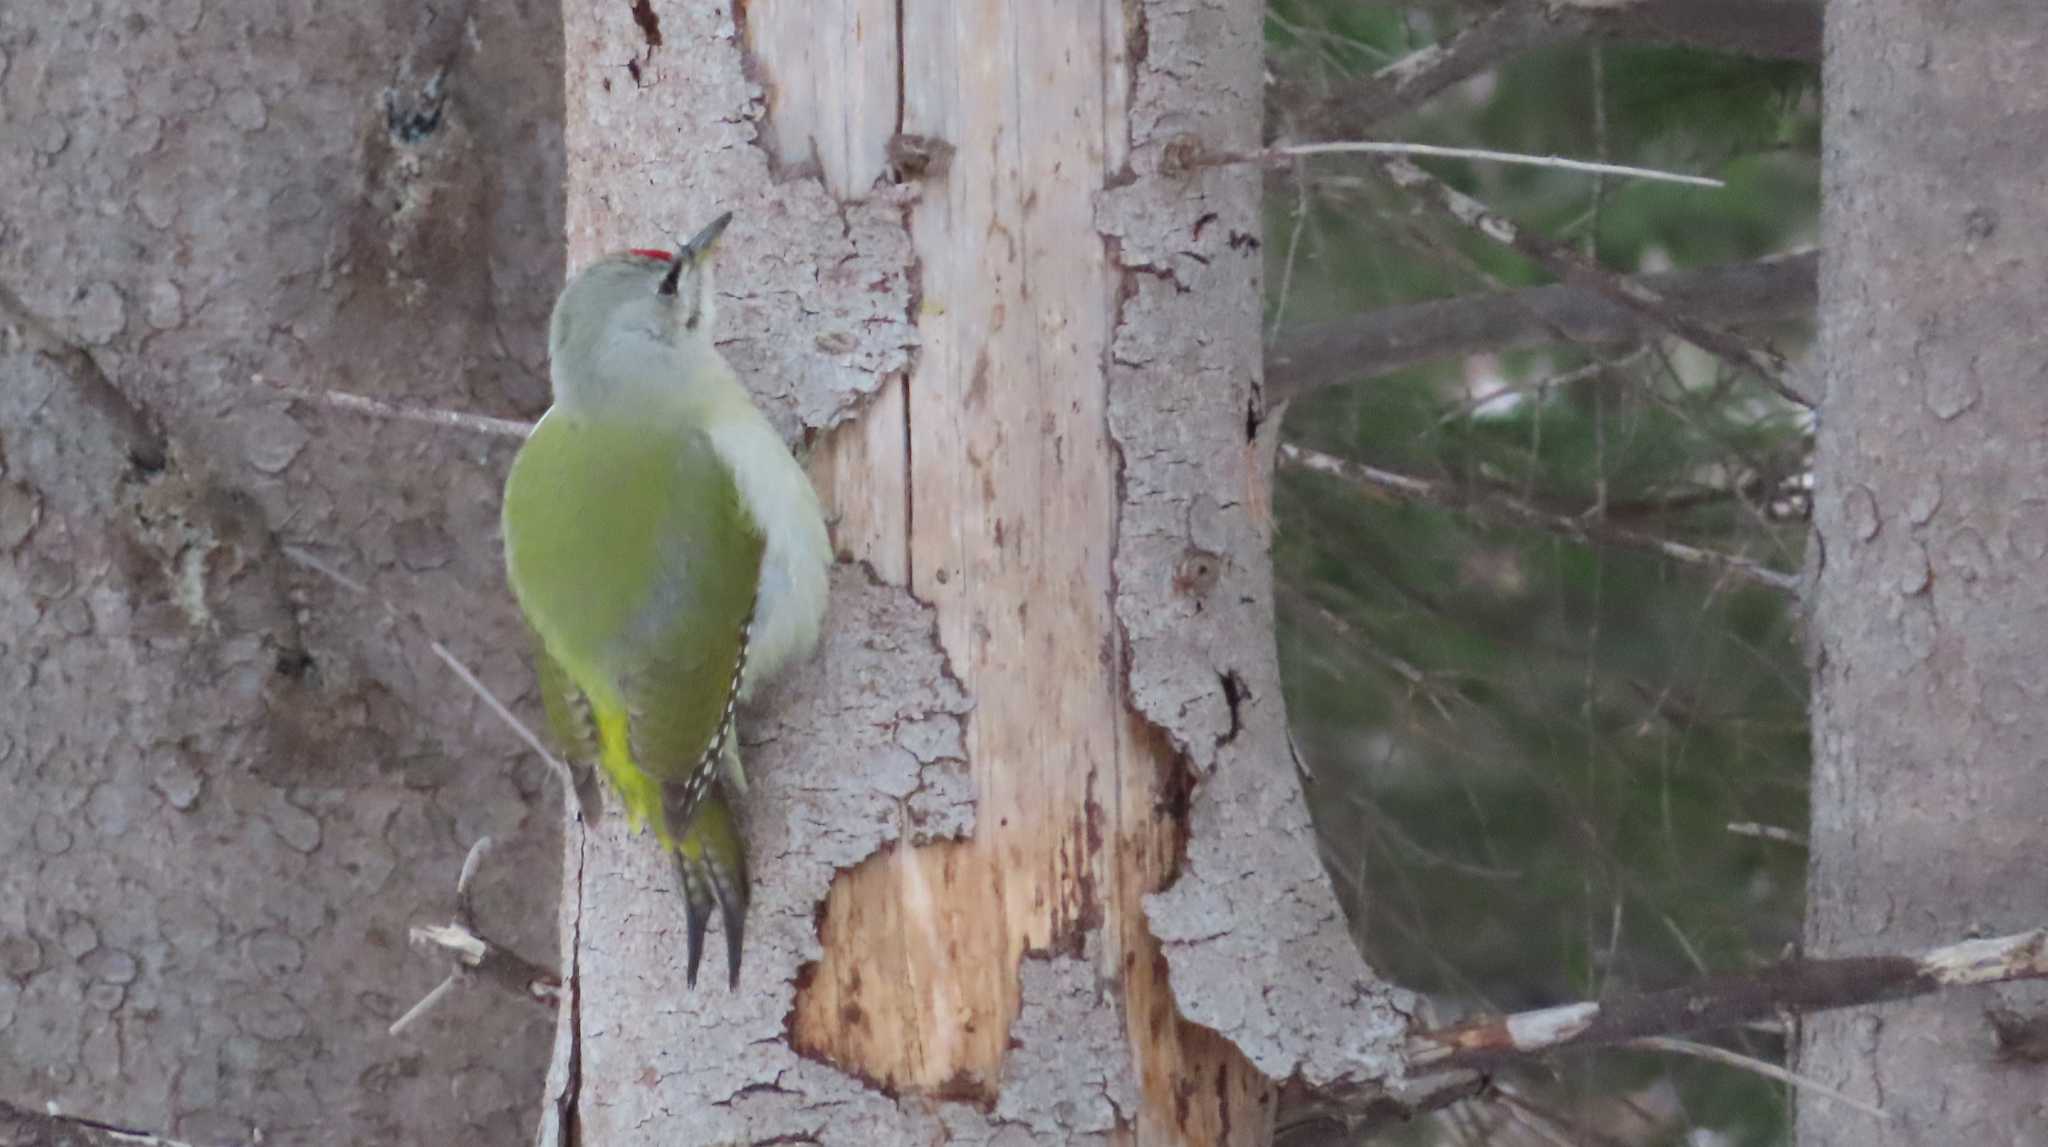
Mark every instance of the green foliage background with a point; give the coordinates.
(1526, 751)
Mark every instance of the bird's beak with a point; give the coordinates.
(693, 252)
(700, 245)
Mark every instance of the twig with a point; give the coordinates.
(1375, 481)
(1347, 1115)
(1535, 1123)
(1569, 265)
(426, 1004)
(1760, 1067)
(518, 726)
(1283, 153)
(478, 955)
(378, 408)
(1612, 369)
(51, 1126)
(1599, 205)
(1776, 29)
(1474, 403)
(1766, 832)
(1301, 208)
(1547, 1125)
(465, 912)
(1410, 81)
(1797, 986)
(462, 672)
(470, 954)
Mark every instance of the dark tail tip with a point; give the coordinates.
(698, 899)
(708, 886)
(732, 911)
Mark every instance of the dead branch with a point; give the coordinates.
(1450, 1065)
(574, 794)
(1574, 268)
(32, 1129)
(1379, 342)
(472, 956)
(1770, 29)
(378, 408)
(1799, 986)
(1767, 832)
(1286, 153)
(1386, 484)
(1755, 1066)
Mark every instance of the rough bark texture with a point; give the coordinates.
(233, 782)
(1058, 487)
(1931, 601)
(1256, 942)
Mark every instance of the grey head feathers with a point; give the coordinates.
(626, 308)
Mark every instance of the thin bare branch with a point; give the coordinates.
(378, 408)
(427, 1003)
(1536, 1123)
(489, 960)
(1281, 154)
(19, 1125)
(1300, 223)
(1775, 29)
(471, 955)
(1347, 1117)
(1767, 832)
(1752, 1064)
(1611, 368)
(1385, 483)
(518, 727)
(570, 794)
(1378, 342)
(465, 909)
(1285, 153)
(1635, 295)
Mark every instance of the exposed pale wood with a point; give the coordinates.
(1009, 506)
(828, 71)
(1010, 481)
(862, 471)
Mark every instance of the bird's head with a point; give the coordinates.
(628, 306)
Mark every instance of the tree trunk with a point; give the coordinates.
(1931, 609)
(1048, 691)
(233, 782)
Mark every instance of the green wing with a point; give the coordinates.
(573, 729)
(636, 565)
